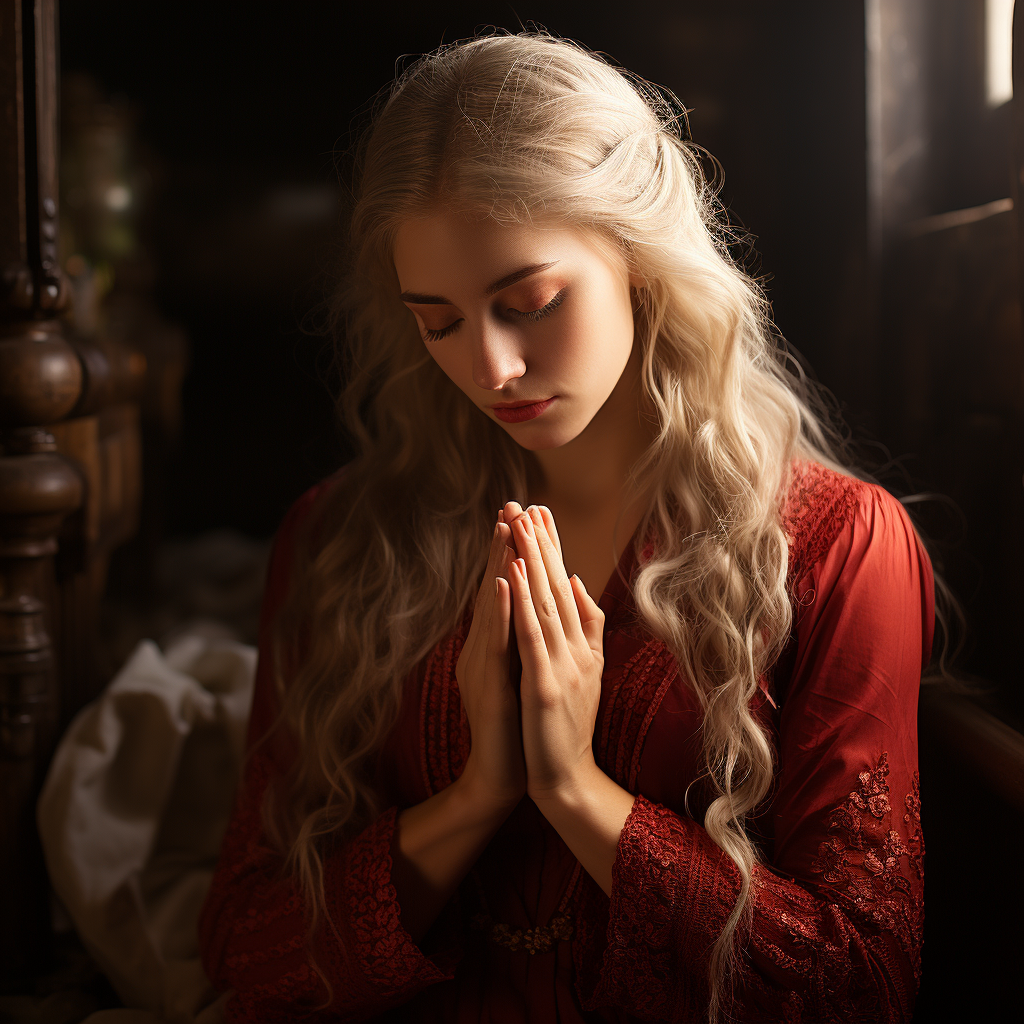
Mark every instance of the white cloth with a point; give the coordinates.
(132, 814)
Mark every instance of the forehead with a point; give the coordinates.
(437, 247)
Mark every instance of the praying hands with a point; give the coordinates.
(559, 634)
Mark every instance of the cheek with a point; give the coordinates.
(449, 362)
(595, 347)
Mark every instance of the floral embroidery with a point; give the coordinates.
(832, 861)
(866, 860)
(541, 939)
(855, 826)
(912, 819)
(873, 911)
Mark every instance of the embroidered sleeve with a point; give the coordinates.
(835, 932)
(253, 928)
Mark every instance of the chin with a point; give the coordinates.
(542, 440)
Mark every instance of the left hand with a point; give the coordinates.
(560, 635)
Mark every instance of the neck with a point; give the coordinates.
(587, 478)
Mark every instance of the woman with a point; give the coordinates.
(644, 745)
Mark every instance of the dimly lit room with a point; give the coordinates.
(290, 730)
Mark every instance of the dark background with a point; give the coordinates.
(859, 151)
(239, 115)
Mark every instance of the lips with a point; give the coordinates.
(519, 405)
(517, 412)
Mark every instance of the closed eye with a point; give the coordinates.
(539, 314)
(442, 333)
(533, 315)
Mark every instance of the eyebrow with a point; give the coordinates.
(505, 282)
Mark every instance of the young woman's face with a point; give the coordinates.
(519, 313)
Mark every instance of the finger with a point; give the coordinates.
(510, 513)
(545, 598)
(513, 509)
(551, 550)
(529, 634)
(506, 554)
(556, 579)
(549, 522)
(486, 592)
(498, 636)
(504, 551)
(591, 616)
(503, 554)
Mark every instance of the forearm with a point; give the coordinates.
(588, 814)
(435, 844)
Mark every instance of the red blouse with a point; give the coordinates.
(836, 930)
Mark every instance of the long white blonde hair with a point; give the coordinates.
(520, 126)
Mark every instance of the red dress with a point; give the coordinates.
(838, 909)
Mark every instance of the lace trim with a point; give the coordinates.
(819, 504)
(632, 702)
(665, 890)
(285, 993)
(847, 949)
(446, 737)
(387, 956)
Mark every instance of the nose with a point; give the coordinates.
(496, 357)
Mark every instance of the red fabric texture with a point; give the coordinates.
(838, 901)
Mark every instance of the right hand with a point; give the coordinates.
(495, 768)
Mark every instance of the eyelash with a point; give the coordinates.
(534, 315)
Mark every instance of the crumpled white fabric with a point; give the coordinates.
(132, 815)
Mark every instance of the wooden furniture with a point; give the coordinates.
(70, 475)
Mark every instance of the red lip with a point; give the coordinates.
(519, 412)
(519, 405)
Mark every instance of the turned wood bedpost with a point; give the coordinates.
(41, 382)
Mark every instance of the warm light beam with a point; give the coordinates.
(998, 51)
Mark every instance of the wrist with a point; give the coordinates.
(588, 810)
(574, 789)
(489, 800)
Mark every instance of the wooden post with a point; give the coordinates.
(41, 381)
